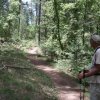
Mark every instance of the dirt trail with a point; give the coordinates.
(66, 86)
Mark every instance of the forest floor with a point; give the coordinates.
(67, 87)
(20, 80)
(26, 75)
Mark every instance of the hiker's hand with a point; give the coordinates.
(81, 75)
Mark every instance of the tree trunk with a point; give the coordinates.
(57, 21)
(39, 22)
(19, 20)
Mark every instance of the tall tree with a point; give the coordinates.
(57, 22)
(39, 22)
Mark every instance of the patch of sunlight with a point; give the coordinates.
(32, 79)
(72, 96)
(49, 91)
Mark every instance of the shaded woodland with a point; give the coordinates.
(61, 28)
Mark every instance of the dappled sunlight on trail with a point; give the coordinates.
(67, 87)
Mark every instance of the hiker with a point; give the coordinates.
(94, 72)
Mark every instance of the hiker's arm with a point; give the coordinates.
(96, 68)
(90, 72)
(93, 70)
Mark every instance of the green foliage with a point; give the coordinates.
(63, 28)
(49, 45)
(75, 22)
(63, 65)
(26, 44)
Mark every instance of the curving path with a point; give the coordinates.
(66, 86)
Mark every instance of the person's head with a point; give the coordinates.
(95, 41)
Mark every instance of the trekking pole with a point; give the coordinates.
(80, 82)
(80, 89)
(84, 91)
(83, 85)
